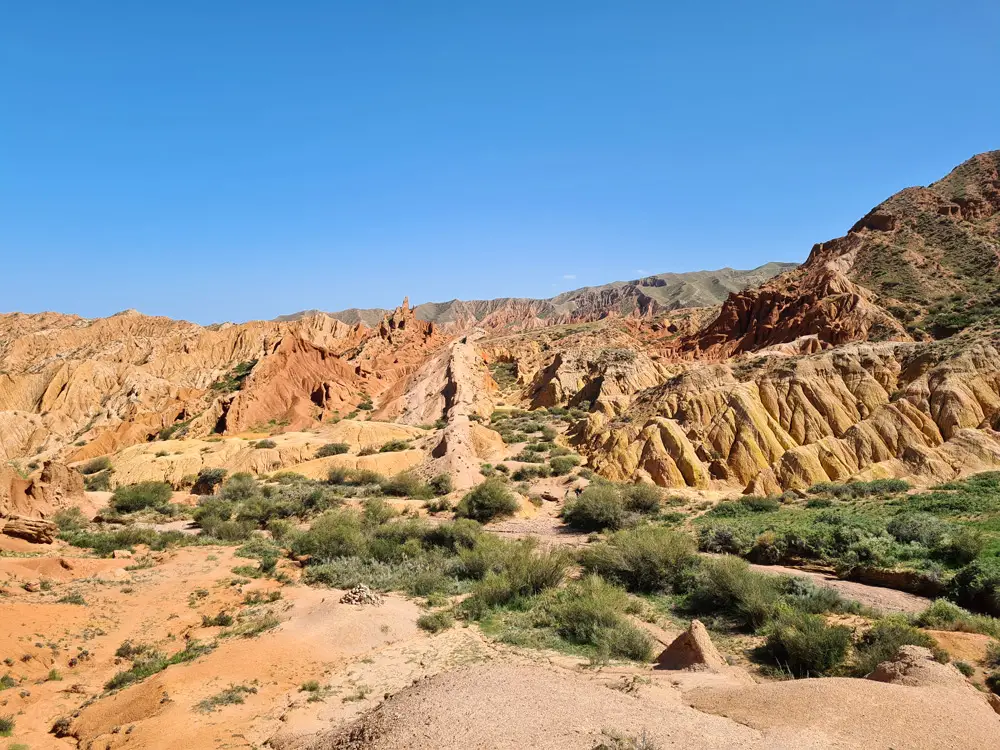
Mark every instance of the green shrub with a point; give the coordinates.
(232, 695)
(993, 682)
(590, 612)
(104, 543)
(221, 620)
(645, 559)
(226, 530)
(455, 536)
(965, 668)
(376, 511)
(509, 572)
(7, 725)
(147, 662)
(441, 484)
(239, 488)
(561, 465)
(363, 477)
(401, 575)
(977, 586)
(99, 482)
(332, 449)
(438, 505)
(395, 445)
(726, 539)
(597, 508)
(962, 546)
(805, 645)
(945, 615)
(744, 506)
(803, 595)
(334, 534)
(70, 519)
(728, 585)
(435, 622)
(527, 473)
(265, 444)
(407, 484)
(94, 465)
(861, 489)
(992, 655)
(134, 497)
(883, 641)
(488, 501)
(922, 528)
(642, 498)
(208, 479)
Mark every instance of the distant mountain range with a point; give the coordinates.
(637, 298)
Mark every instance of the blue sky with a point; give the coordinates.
(237, 160)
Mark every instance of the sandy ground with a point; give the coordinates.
(452, 690)
(357, 654)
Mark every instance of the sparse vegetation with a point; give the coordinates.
(234, 379)
(332, 449)
(95, 465)
(435, 622)
(951, 532)
(394, 445)
(232, 695)
(147, 662)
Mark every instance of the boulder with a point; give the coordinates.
(32, 530)
(915, 666)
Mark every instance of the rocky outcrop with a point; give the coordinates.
(915, 666)
(40, 495)
(926, 258)
(460, 385)
(862, 411)
(692, 649)
(823, 305)
(83, 388)
(32, 530)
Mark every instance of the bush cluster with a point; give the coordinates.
(847, 537)
(135, 497)
(488, 501)
(607, 505)
(332, 449)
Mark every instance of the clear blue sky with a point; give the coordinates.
(230, 160)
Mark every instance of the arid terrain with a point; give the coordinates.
(728, 509)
